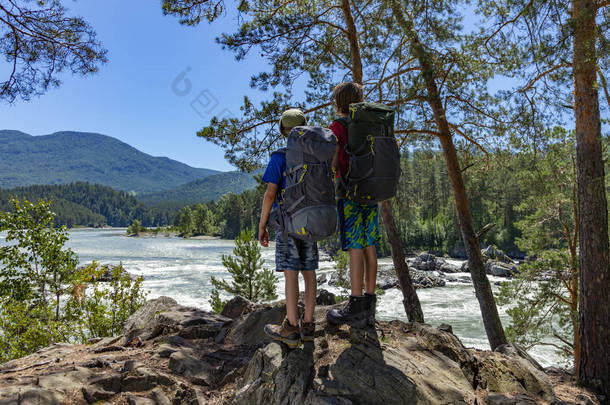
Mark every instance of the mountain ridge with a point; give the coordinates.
(209, 188)
(68, 156)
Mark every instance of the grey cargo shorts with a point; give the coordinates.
(295, 254)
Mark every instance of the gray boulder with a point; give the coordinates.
(425, 262)
(386, 278)
(500, 269)
(493, 253)
(236, 307)
(163, 316)
(325, 297)
(449, 268)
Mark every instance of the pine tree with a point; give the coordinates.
(559, 50)
(444, 131)
(543, 298)
(249, 279)
(39, 41)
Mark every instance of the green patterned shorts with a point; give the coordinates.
(359, 224)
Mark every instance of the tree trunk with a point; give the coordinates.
(592, 207)
(489, 311)
(352, 38)
(410, 299)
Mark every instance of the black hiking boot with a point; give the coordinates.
(371, 304)
(355, 313)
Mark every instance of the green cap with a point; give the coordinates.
(291, 118)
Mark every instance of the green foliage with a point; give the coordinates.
(249, 279)
(539, 306)
(225, 217)
(135, 228)
(89, 205)
(342, 270)
(40, 40)
(43, 296)
(210, 188)
(103, 310)
(186, 222)
(543, 298)
(217, 303)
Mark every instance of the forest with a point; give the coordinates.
(92, 205)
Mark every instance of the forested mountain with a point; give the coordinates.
(207, 189)
(65, 157)
(89, 205)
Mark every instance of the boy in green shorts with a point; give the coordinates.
(358, 223)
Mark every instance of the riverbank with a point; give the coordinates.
(169, 353)
(182, 268)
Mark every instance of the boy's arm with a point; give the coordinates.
(268, 198)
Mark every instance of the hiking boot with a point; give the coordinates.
(285, 333)
(371, 304)
(307, 331)
(355, 313)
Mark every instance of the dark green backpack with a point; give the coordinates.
(374, 157)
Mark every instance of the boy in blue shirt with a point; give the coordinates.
(291, 255)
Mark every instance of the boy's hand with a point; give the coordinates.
(263, 236)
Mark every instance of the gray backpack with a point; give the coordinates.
(306, 208)
(374, 157)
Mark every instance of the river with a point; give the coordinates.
(181, 268)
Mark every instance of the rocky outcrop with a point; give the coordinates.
(497, 263)
(171, 354)
(386, 278)
(397, 363)
(429, 262)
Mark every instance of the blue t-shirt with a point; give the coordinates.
(275, 171)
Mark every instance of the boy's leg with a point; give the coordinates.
(371, 231)
(286, 261)
(370, 269)
(356, 270)
(308, 252)
(355, 313)
(291, 284)
(311, 286)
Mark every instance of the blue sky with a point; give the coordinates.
(132, 97)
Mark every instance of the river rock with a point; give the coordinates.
(496, 268)
(425, 262)
(449, 268)
(325, 297)
(430, 262)
(236, 307)
(425, 279)
(386, 278)
(495, 254)
(500, 269)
